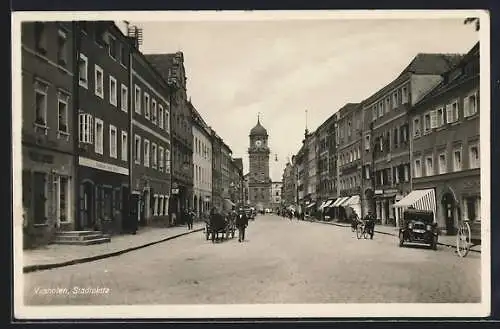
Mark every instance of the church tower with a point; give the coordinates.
(259, 182)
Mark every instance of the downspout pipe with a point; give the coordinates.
(76, 139)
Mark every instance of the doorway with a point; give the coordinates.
(448, 202)
(87, 218)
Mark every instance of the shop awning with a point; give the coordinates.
(329, 203)
(418, 199)
(311, 205)
(339, 201)
(353, 200)
(343, 201)
(322, 204)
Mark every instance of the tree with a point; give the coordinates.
(472, 20)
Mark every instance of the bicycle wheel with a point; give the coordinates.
(463, 239)
(360, 230)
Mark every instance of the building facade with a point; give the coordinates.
(48, 130)
(276, 193)
(259, 180)
(288, 195)
(445, 148)
(103, 166)
(246, 190)
(171, 68)
(386, 146)
(236, 181)
(217, 192)
(349, 133)
(226, 164)
(150, 138)
(202, 163)
(312, 150)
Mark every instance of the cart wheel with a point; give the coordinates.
(401, 239)
(359, 231)
(463, 240)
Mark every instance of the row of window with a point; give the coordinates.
(154, 156)
(349, 156)
(389, 102)
(346, 128)
(91, 131)
(445, 114)
(349, 182)
(42, 46)
(202, 149)
(153, 110)
(116, 51)
(41, 108)
(160, 205)
(201, 175)
(384, 143)
(442, 166)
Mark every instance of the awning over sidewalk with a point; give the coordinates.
(351, 201)
(326, 204)
(339, 201)
(311, 205)
(418, 199)
(329, 203)
(343, 201)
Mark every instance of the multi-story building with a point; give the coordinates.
(259, 181)
(103, 121)
(236, 181)
(445, 149)
(202, 163)
(311, 145)
(226, 159)
(150, 138)
(288, 187)
(48, 130)
(171, 68)
(276, 194)
(217, 195)
(386, 147)
(326, 164)
(302, 175)
(349, 131)
(246, 191)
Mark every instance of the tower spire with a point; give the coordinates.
(307, 131)
(258, 117)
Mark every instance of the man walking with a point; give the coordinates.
(190, 218)
(241, 223)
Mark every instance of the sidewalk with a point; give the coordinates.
(53, 255)
(444, 240)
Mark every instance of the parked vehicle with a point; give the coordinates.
(418, 226)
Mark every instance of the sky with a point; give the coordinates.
(281, 68)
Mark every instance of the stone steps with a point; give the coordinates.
(81, 238)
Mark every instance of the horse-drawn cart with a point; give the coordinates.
(468, 235)
(220, 224)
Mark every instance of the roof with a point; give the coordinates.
(421, 64)
(258, 130)
(161, 62)
(347, 109)
(449, 80)
(238, 162)
(425, 63)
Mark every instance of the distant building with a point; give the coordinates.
(276, 194)
(202, 163)
(259, 180)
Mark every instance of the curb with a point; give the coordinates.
(386, 233)
(35, 268)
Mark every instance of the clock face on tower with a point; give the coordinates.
(258, 143)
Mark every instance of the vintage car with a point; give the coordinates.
(418, 226)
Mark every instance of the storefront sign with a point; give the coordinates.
(86, 162)
(390, 191)
(39, 157)
(379, 192)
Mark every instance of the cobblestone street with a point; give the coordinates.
(282, 261)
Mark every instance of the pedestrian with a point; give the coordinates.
(370, 224)
(189, 219)
(241, 223)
